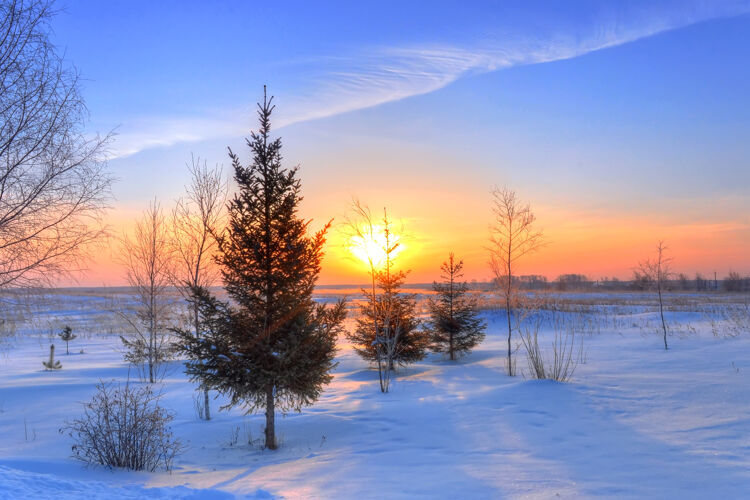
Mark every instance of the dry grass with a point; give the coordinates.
(558, 363)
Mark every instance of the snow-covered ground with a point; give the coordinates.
(636, 421)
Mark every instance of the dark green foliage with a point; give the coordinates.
(454, 323)
(67, 335)
(230, 353)
(273, 346)
(392, 315)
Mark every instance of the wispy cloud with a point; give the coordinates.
(152, 132)
(328, 86)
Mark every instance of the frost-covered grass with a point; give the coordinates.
(636, 421)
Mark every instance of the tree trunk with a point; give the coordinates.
(270, 420)
(206, 404)
(507, 310)
(451, 310)
(663, 323)
(451, 346)
(151, 358)
(152, 316)
(509, 290)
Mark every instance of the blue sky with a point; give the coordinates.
(608, 109)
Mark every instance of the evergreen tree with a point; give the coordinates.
(273, 347)
(394, 313)
(67, 335)
(386, 330)
(455, 325)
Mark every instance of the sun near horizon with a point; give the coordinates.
(426, 121)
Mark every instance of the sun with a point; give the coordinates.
(370, 246)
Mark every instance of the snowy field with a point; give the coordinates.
(635, 421)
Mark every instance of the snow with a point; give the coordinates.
(20, 484)
(636, 421)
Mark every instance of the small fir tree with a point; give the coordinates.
(387, 329)
(274, 347)
(394, 313)
(52, 363)
(455, 326)
(67, 335)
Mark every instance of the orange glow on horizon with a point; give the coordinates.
(577, 241)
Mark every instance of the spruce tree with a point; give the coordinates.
(454, 323)
(387, 327)
(273, 347)
(394, 313)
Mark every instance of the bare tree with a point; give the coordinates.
(360, 231)
(657, 272)
(54, 186)
(148, 259)
(195, 221)
(512, 237)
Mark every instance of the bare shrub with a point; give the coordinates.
(124, 426)
(565, 356)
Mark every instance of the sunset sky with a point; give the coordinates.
(622, 123)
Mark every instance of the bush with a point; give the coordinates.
(564, 359)
(124, 426)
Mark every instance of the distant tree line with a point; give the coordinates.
(732, 282)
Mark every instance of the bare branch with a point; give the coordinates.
(54, 187)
